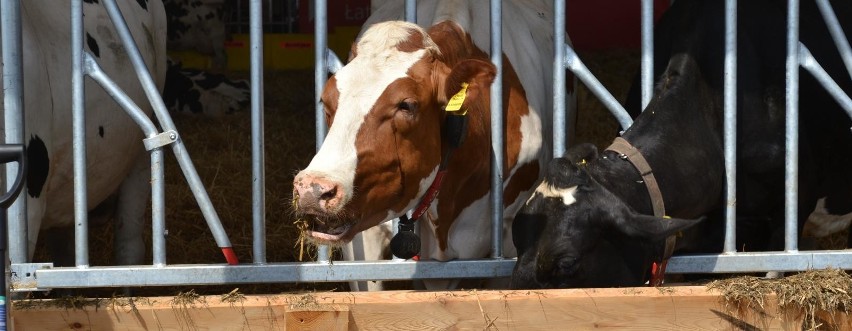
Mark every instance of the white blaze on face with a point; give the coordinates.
(361, 82)
(549, 191)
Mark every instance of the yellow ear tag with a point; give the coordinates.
(457, 100)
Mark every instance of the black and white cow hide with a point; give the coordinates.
(587, 224)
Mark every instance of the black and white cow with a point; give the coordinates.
(203, 92)
(587, 225)
(198, 25)
(115, 151)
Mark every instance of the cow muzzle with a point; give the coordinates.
(317, 195)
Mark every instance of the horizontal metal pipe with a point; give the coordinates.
(293, 272)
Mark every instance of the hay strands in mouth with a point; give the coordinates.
(302, 225)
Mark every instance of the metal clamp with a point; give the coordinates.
(160, 140)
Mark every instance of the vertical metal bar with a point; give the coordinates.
(158, 208)
(836, 33)
(730, 133)
(179, 149)
(320, 76)
(410, 16)
(13, 116)
(411, 11)
(257, 141)
(559, 79)
(497, 131)
(647, 52)
(81, 209)
(791, 182)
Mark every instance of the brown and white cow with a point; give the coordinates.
(385, 111)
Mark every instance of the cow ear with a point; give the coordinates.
(651, 227)
(477, 74)
(582, 153)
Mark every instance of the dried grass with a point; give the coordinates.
(807, 295)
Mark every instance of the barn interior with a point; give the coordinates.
(220, 145)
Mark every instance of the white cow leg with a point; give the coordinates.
(369, 245)
(133, 196)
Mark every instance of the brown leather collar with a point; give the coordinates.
(627, 151)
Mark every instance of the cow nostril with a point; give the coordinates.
(328, 195)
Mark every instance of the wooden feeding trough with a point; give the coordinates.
(664, 308)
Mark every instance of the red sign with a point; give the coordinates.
(296, 44)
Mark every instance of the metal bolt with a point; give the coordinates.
(172, 136)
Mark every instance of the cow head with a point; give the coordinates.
(573, 232)
(384, 146)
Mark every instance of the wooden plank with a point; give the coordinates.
(667, 308)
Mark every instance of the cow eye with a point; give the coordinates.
(408, 105)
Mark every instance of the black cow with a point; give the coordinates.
(587, 224)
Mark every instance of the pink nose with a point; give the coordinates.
(316, 194)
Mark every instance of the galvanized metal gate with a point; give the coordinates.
(28, 276)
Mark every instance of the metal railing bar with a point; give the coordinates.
(78, 109)
(158, 191)
(411, 11)
(809, 63)
(837, 34)
(573, 63)
(13, 116)
(730, 127)
(497, 138)
(179, 149)
(791, 162)
(257, 133)
(559, 79)
(290, 272)
(320, 76)
(647, 58)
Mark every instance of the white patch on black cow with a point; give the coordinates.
(549, 191)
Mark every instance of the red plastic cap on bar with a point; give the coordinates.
(230, 256)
